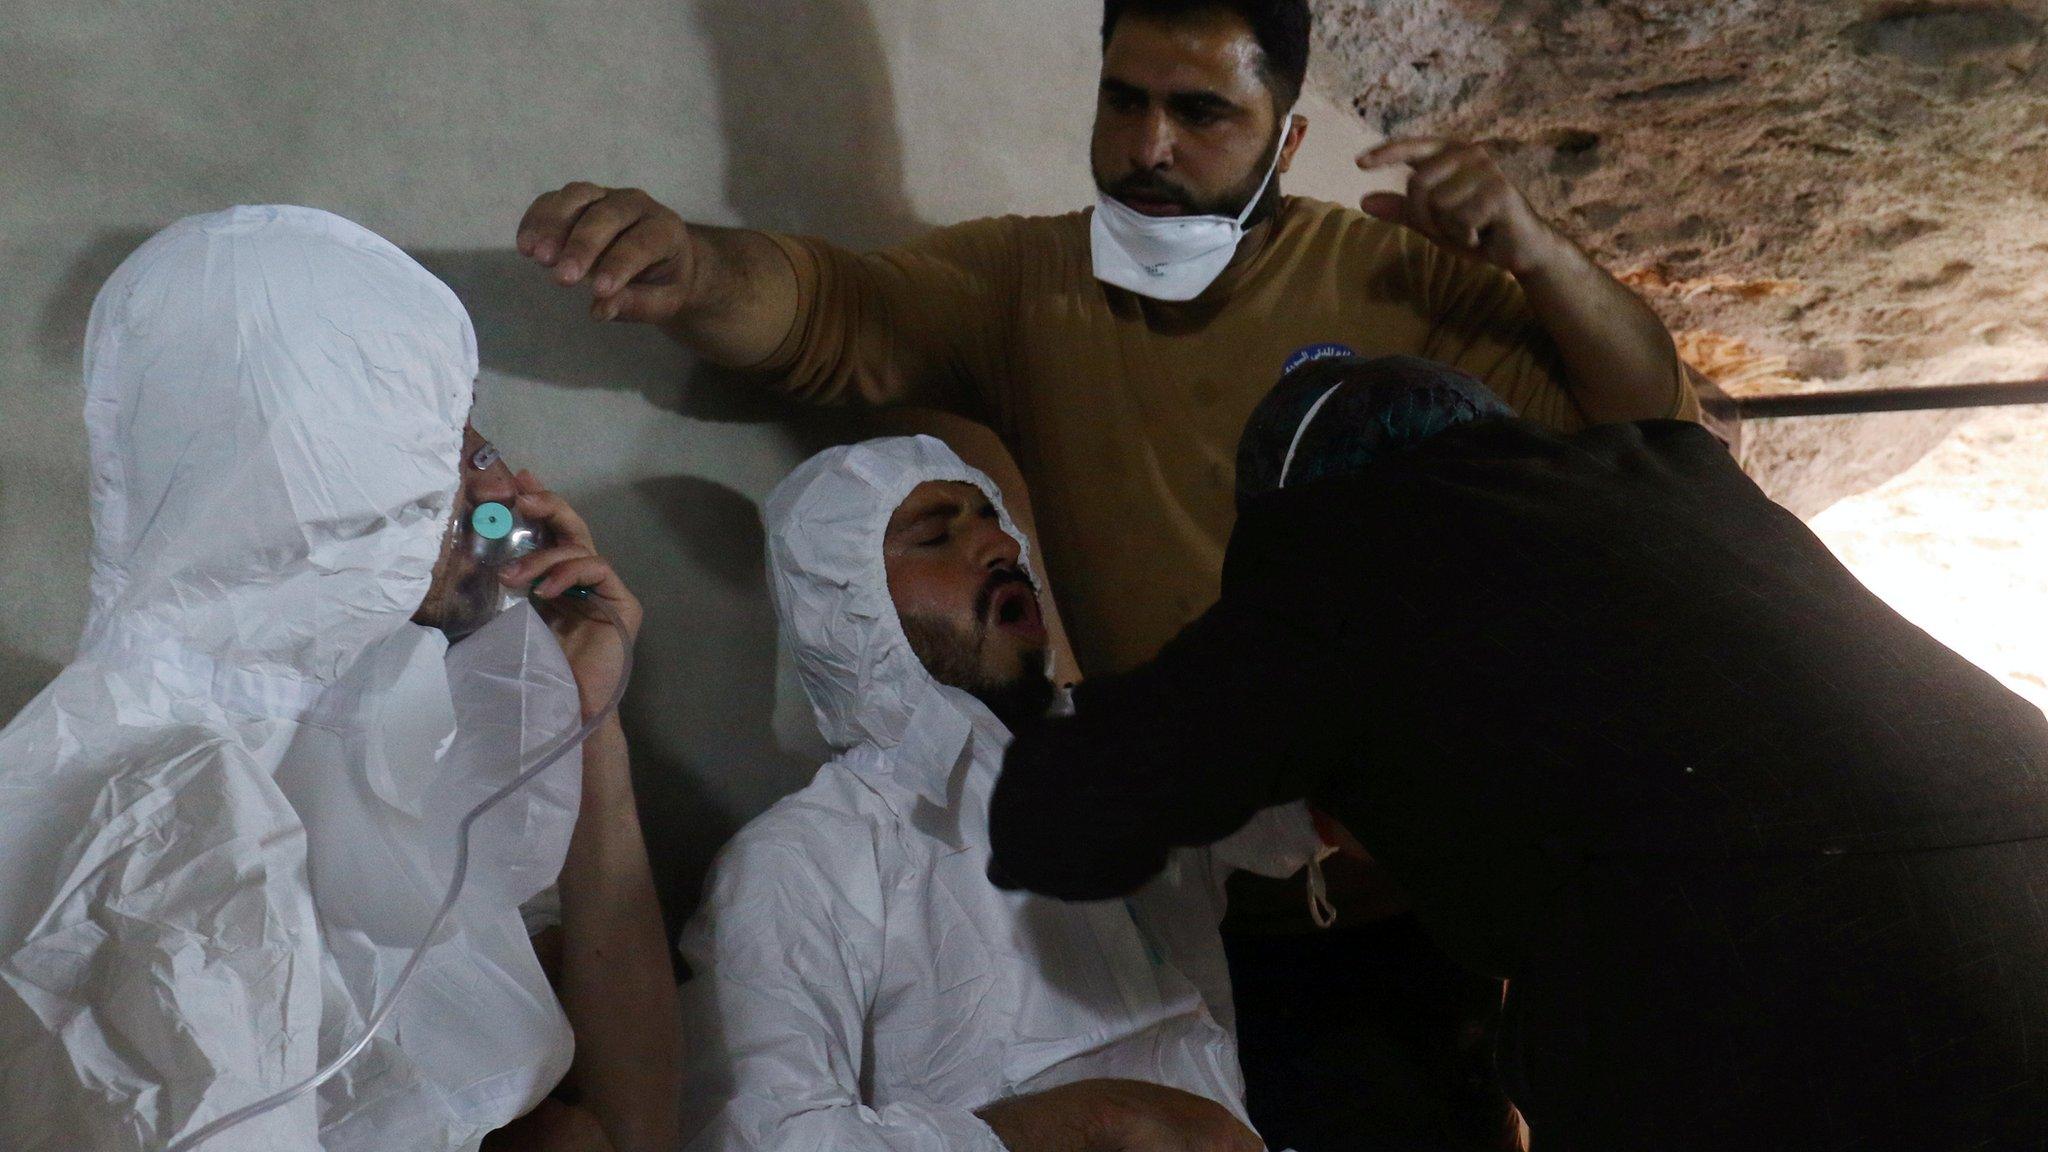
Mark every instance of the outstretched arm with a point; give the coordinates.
(918, 323)
(1235, 715)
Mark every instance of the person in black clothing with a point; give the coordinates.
(1762, 862)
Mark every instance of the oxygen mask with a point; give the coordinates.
(485, 536)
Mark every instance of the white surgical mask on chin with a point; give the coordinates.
(1171, 258)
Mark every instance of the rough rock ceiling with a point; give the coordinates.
(1814, 193)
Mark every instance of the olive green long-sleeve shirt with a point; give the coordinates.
(1124, 413)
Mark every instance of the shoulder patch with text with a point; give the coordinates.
(1316, 352)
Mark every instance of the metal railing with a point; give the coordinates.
(1858, 403)
(1725, 415)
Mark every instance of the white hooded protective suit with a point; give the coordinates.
(858, 984)
(225, 825)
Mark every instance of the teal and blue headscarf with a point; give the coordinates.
(1335, 415)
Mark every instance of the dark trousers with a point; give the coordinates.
(1366, 1038)
(1882, 1002)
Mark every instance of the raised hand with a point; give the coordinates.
(1458, 197)
(635, 253)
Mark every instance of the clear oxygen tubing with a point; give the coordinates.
(383, 1011)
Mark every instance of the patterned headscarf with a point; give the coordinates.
(1336, 415)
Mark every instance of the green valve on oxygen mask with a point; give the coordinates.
(492, 521)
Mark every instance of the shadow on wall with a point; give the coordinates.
(710, 642)
(526, 327)
(809, 118)
(60, 330)
(807, 112)
(26, 675)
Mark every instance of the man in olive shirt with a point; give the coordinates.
(1123, 408)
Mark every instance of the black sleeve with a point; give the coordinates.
(1235, 715)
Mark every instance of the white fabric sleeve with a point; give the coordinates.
(785, 960)
(176, 974)
(1278, 842)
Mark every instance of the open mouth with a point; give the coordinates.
(1154, 206)
(1014, 609)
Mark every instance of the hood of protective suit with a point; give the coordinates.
(219, 823)
(274, 401)
(867, 687)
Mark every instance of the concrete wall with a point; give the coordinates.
(434, 123)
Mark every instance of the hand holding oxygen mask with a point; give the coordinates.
(511, 536)
(575, 589)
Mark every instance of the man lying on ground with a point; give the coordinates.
(858, 984)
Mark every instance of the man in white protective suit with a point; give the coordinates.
(227, 824)
(858, 984)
